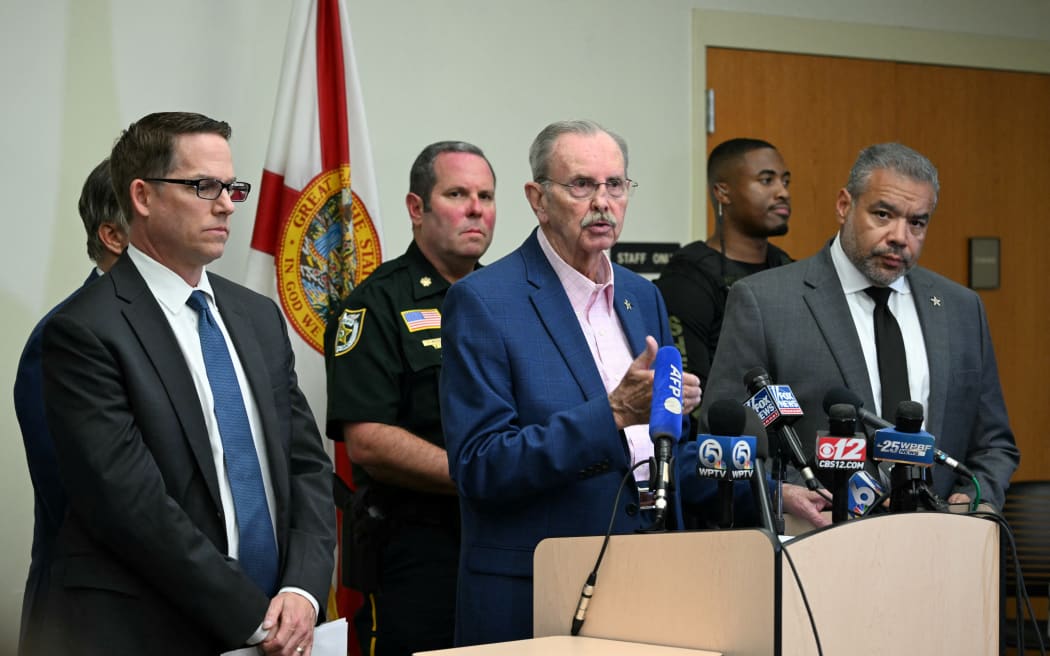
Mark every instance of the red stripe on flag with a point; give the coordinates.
(331, 87)
(275, 204)
(268, 215)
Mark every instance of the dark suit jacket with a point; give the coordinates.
(141, 563)
(49, 498)
(795, 322)
(531, 440)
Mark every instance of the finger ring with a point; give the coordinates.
(299, 649)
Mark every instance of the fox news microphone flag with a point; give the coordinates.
(317, 232)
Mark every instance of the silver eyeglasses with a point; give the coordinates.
(587, 188)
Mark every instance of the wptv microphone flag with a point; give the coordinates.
(317, 232)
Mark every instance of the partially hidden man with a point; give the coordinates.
(383, 354)
(748, 185)
(107, 237)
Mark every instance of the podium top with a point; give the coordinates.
(569, 646)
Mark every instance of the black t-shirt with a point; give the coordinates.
(695, 285)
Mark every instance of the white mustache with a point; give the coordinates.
(595, 217)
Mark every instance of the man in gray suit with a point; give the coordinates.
(810, 325)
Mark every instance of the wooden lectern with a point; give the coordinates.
(916, 583)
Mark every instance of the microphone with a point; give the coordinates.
(726, 455)
(665, 422)
(864, 490)
(911, 449)
(843, 395)
(759, 488)
(841, 450)
(665, 427)
(778, 408)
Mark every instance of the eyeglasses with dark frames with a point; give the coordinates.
(210, 188)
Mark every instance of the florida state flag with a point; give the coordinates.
(317, 231)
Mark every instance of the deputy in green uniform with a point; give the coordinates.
(383, 357)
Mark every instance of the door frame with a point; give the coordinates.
(839, 39)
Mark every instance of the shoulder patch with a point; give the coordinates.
(350, 324)
(421, 319)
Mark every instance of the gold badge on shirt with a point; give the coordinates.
(350, 324)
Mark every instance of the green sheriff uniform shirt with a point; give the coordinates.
(383, 358)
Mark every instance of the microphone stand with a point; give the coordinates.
(910, 490)
(779, 470)
(659, 524)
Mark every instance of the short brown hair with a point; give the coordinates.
(147, 148)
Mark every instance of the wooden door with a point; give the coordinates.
(988, 132)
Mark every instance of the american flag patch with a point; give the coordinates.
(421, 319)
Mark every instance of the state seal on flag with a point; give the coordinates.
(328, 245)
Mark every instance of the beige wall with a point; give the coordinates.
(494, 73)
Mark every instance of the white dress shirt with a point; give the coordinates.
(902, 305)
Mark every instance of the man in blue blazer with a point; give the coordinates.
(546, 382)
(107, 236)
(810, 325)
(190, 529)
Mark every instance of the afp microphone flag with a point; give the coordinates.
(317, 232)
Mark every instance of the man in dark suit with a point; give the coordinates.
(546, 383)
(812, 326)
(107, 237)
(201, 517)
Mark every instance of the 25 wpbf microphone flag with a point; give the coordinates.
(317, 232)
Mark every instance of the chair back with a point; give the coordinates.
(1027, 509)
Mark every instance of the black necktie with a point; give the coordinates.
(889, 345)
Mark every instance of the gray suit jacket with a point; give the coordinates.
(795, 322)
(140, 563)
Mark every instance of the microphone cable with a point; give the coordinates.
(805, 600)
(592, 579)
(1022, 591)
(977, 494)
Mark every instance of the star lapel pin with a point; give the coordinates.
(425, 281)
(936, 300)
(627, 304)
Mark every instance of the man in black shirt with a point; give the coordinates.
(383, 357)
(748, 184)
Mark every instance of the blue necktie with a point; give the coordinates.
(258, 552)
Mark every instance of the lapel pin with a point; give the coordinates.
(425, 281)
(936, 300)
(627, 304)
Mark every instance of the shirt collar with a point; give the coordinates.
(570, 276)
(426, 281)
(851, 278)
(170, 290)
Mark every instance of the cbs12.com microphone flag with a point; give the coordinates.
(317, 232)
